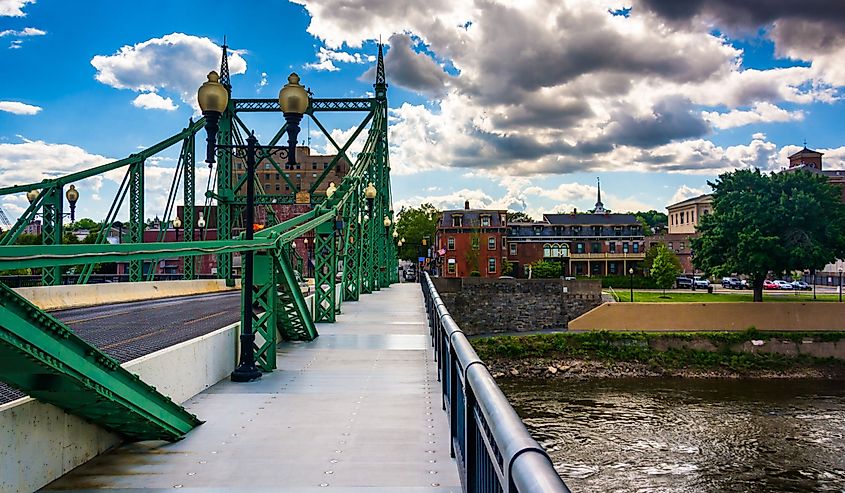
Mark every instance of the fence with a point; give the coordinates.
(29, 281)
(493, 449)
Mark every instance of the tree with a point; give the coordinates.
(519, 217)
(651, 254)
(84, 223)
(777, 222)
(545, 270)
(652, 219)
(665, 268)
(414, 224)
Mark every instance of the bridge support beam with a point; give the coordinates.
(189, 196)
(325, 271)
(266, 300)
(51, 232)
(136, 217)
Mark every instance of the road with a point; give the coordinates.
(130, 330)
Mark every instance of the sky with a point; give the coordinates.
(516, 105)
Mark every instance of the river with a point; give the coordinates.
(688, 435)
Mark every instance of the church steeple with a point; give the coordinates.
(599, 206)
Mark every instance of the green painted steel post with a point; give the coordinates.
(226, 196)
(352, 239)
(136, 217)
(325, 271)
(265, 280)
(189, 196)
(51, 232)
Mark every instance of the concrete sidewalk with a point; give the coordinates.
(356, 410)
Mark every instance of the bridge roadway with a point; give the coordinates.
(130, 330)
(357, 409)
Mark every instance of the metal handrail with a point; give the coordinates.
(489, 441)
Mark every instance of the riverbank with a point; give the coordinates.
(586, 355)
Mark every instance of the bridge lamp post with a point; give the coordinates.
(201, 224)
(72, 195)
(387, 222)
(631, 274)
(177, 223)
(370, 194)
(213, 100)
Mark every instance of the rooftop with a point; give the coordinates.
(590, 219)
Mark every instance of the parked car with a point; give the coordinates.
(783, 284)
(410, 275)
(700, 282)
(767, 284)
(683, 282)
(733, 283)
(803, 286)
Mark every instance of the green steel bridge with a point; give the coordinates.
(41, 356)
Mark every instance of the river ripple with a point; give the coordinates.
(688, 435)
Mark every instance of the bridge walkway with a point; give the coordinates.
(357, 409)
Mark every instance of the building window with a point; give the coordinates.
(555, 250)
(491, 265)
(636, 247)
(680, 218)
(268, 166)
(287, 187)
(278, 187)
(450, 242)
(267, 176)
(670, 245)
(564, 250)
(624, 247)
(671, 219)
(706, 211)
(612, 267)
(504, 241)
(266, 187)
(595, 247)
(313, 165)
(450, 266)
(611, 247)
(681, 246)
(485, 221)
(513, 248)
(457, 221)
(597, 230)
(547, 250)
(491, 243)
(579, 248)
(277, 176)
(475, 243)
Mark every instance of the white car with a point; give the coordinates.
(701, 282)
(781, 284)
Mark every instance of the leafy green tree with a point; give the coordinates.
(545, 270)
(84, 223)
(665, 267)
(519, 217)
(415, 224)
(652, 253)
(777, 222)
(652, 219)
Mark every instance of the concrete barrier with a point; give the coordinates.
(40, 442)
(75, 296)
(780, 316)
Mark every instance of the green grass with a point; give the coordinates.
(636, 347)
(703, 297)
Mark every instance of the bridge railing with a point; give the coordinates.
(493, 449)
(28, 281)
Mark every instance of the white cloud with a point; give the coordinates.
(263, 82)
(19, 108)
(15, 44)
(762, 112)
(27, 31)
(13, 8)
(177, 63)
(152, 101)
(686, 192)
(326, 58)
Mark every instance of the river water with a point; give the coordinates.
(688, 435)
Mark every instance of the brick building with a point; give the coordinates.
(585, 244)
(470, 240)
(308, 170)
(684, 217)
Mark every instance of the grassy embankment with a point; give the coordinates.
(642, 348)
(704, 297)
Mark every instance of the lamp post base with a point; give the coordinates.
(245, 373)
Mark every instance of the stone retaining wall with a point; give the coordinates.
(490, 306)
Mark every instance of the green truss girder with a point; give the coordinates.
(225, 194)
(51, 232)
(325, 273)
(295, 321)
(266, 305)
(136, 216)
(189, 197)
(44, 358)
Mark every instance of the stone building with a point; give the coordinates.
(684, 217)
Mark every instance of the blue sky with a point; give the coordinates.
(516, 105)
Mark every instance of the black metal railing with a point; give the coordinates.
(493, 449)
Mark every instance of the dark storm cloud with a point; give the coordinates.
(673, 119)
(751, 13)
(411, 70)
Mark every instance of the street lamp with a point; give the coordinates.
(72, 196)
(177, 223)
(32, 195)
(631, 274)
(213, 100)
(370, 194)
(330, 190)
(201, 224)
(395, 235)
(387, 222)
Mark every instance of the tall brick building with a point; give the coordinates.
(471, 240)
(308, 170)
(684, 217)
